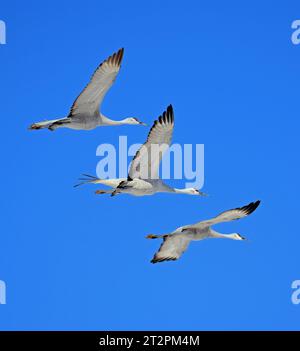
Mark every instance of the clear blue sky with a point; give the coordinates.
(72, 260)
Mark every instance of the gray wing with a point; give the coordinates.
(90, 99)
(145, 164)
(172, 248)
(228, 216)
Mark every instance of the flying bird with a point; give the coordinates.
(143, 178)
(176, 243)
(84, 113)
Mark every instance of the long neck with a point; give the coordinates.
(214, 234)
(111, 122)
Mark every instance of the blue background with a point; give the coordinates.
(73, 260)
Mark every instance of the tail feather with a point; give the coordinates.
(89, 176)
(88, 179)
(51, 124)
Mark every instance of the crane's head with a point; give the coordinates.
(193, 191)
(237, 236)
(133, 120)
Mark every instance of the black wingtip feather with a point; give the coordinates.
(116, 57)
(167, 116)
(250, 207)
(158, 260)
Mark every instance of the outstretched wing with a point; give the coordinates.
(89, 100)
(172, 248)
(145, 164)
(228, 216)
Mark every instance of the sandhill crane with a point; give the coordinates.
(143, 178)
(84, 113)
(175, 243)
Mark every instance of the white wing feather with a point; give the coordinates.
(227, 216)
(144, 166)
(88, 102)
(172, 248)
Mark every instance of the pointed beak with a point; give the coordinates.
(143, 124)
(201, 193)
